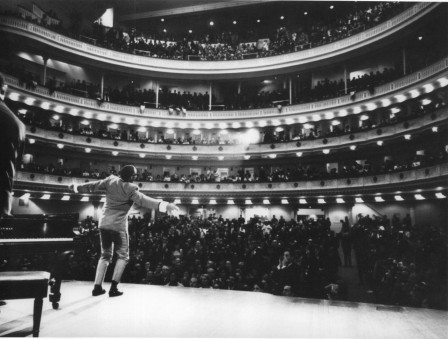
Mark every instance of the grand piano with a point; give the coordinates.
(50, 236)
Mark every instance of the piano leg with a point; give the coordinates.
(55, 291)
(56, 281)
(37, 315)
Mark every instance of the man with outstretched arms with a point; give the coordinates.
(121, 194)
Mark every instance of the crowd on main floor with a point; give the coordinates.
(397, 262)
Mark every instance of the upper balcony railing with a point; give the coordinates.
(435, 75)
(437, 173)
(215, 69)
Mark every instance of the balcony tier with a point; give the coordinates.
(410, 86)
(421, 178)
(68, 48)
(237, 151)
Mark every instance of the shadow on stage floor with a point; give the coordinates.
(157, 311)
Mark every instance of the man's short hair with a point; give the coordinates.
(2, 79)
(127, 172)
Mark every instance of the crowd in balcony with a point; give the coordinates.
(299, 172)
(400, 263)
(178, 101)
(267, 134)
(238, 45)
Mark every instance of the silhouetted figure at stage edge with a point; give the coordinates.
(12, 137)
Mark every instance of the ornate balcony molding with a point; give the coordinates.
(237, 151)
(406, 179)
(215, 69)
(382, 96)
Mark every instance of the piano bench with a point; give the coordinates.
(26, 285)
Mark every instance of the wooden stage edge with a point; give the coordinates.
(158, 311)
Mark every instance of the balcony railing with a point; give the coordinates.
(438, 173)
(238, 150)
(107, 111)
(226, 68)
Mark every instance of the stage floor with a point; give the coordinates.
(157, 311)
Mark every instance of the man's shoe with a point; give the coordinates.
(98, 291)
(115, 293)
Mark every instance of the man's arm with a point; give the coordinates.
(150, 203)
(89, 187)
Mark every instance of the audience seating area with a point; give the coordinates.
(397, 262)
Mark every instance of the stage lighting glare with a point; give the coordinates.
(15, 96)
(428, 88)
(59, 109)
(29, 101)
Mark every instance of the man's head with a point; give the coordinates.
(3, 87)
(128, 173)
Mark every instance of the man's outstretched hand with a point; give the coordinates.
(172, 209)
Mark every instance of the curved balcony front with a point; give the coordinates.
(67, 48)
(238, 151)
(419, 178)
(410, 86)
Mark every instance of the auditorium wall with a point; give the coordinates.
(431, 212)
(39, 206)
